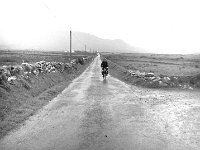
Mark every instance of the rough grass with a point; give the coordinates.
(25, 96)
(20, 104)
(25, 84)
(16, 57)
(170, 65)
(120, 71)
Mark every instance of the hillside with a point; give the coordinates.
(60, 41)
(108, 45)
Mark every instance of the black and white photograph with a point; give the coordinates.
(99, 74)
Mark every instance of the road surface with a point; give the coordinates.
(96, 114)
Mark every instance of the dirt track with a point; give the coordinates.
(93, 114)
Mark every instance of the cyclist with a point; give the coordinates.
(104, 65)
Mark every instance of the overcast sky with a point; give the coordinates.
(159, 26)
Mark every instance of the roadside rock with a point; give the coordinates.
(150, 74)
(161, 83)
(166, 80)
(151, 80)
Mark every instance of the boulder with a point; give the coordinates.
(12, 78)
(166, 80)
(157, 79)
(162, 84)
(150, 74)
(139, 74)
(152, 78)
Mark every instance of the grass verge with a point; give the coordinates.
(184, 82)
(23, 98)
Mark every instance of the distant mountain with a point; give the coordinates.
(60, 41)
(99, 44)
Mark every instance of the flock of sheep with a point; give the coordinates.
(10, 73)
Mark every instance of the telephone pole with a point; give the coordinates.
(70, 53)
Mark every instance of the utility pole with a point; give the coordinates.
(70, 53)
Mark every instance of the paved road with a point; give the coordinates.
(92, 114)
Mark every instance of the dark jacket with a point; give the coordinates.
(104, 64)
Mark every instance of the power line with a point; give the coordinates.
(53, 14)
(80, 41)
(47, 7)
(61, 23)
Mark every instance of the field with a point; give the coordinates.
(170, 65)
(17, 57)
(167, 71)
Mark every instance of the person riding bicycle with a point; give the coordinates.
(104, 65)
